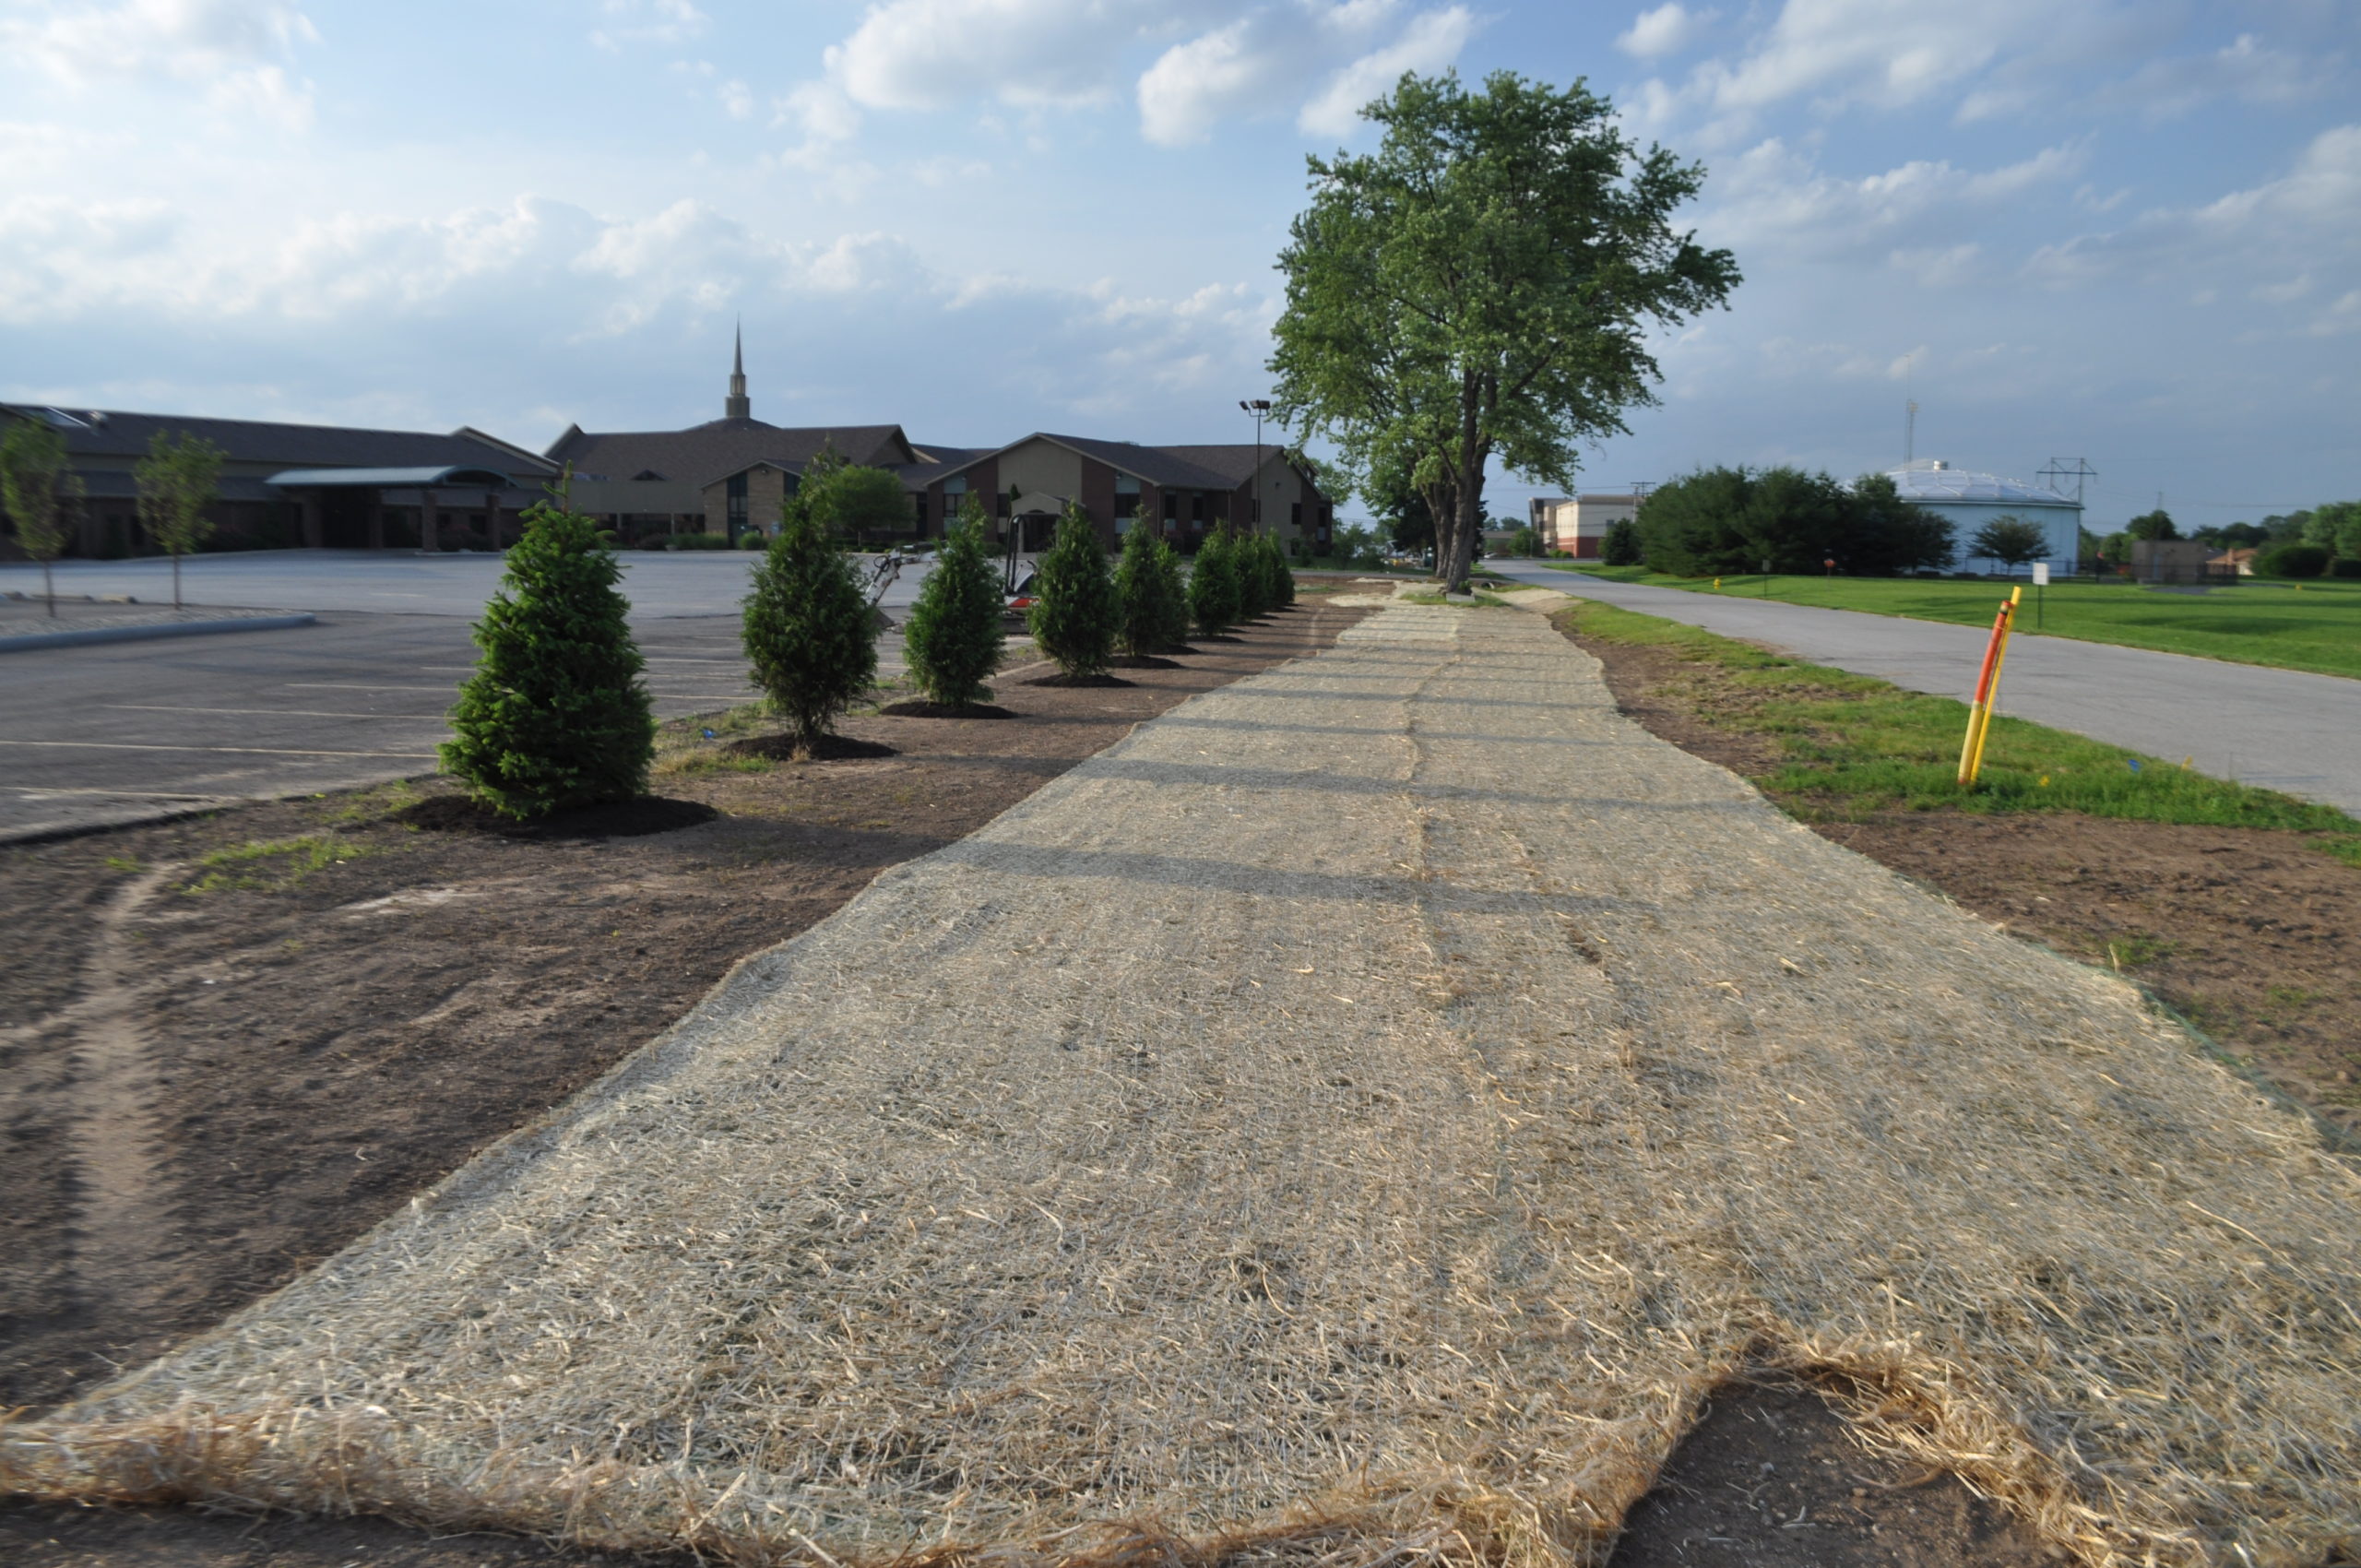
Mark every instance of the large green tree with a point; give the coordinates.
(1075, 616)
(1481, 287)
(38, 492)
(807, 629)
(953, 641)
(851, 502)
(2013, 541)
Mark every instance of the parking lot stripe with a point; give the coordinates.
(273, 712)
(238, 750)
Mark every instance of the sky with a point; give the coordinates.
(2125, 232)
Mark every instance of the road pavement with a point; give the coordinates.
(2282, 728)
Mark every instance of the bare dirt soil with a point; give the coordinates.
(230, 1044)
(2253, 935)
(1769, 1480)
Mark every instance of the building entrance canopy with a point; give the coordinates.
(387, 478)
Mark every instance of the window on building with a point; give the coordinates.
(1295, 515)
(1127, 497)
(1197, 507)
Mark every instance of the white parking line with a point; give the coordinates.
(235, 751)
(275, 712)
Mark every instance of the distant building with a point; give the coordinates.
(287, 486)
(1577, 525)
(319, 486)
(1968, 501)
(2180, 561)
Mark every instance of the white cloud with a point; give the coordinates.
(931, 54)
(2312, 212)
(2246, 69)
(1773, 198)
(737, 99)
(633, 22)
(1249, 69)
(235, 50)
(1667, 30)
(1433, 41)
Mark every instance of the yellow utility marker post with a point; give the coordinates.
(1987, 690)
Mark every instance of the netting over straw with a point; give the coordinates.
(1354, 1120)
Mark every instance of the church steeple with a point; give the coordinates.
(737, 405)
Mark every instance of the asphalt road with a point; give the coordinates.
(2282, 728)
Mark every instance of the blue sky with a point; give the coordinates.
(2127, 231)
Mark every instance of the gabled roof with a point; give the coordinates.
(108, 433)
(1223, 466)
(719, 448)
(935, 462)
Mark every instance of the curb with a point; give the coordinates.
(155, 629)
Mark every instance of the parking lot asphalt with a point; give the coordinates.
(657, 583)
(129, 731)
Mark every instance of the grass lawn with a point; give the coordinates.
(1853, 747)
(2315, 627)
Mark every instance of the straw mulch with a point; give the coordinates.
(1354, 1122)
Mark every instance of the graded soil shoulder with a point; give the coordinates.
(305, 1047)
(2252, 934)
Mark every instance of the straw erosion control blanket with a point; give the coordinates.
(1356, 1120)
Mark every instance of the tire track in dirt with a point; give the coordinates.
(120, 1167)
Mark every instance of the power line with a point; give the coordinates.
(2057, 469)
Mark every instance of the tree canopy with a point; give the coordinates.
(1481, 286)
(849, 502)
(1719, 520)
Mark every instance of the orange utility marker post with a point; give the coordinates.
(1987, 690)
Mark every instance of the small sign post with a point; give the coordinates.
(2040, 581)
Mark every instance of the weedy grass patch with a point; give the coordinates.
(274, 865)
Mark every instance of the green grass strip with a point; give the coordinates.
(2313, 625)
(1853, 747)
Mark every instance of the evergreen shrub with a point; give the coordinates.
(1149, 612)
(953, 641)
(807, 629)
(1214, 599)
(554, 715)
(1075, 616)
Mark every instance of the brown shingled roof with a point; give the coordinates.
(703, 452)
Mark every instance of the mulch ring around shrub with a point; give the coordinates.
(824, 748)
(618, 819)
(1147, 660)
(1065, 680)
(946, 709)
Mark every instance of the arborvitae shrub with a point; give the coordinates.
(1253, 582)
(1171, 595)
(808, 628)
(1148, 615)
(1213, 599)
(1278, 578)
(1075, 616)
(554, 715)
(953, 641)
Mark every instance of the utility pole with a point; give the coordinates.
(1909, 430)
(2058, 473)
(1258, 406)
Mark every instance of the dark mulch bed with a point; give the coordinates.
(1146, 661)
(1063, 679)
(620, 819)
(917, 709)
(824, 748)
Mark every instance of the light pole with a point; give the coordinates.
(1258, 406)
